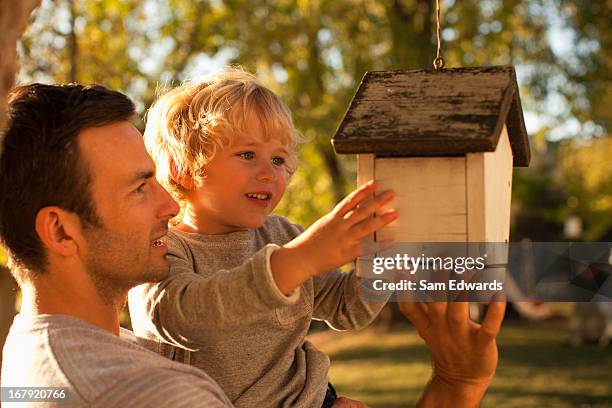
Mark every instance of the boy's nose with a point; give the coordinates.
(265, 172)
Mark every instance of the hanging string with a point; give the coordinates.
(438, 63)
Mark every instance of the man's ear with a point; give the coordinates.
(186, 180)
(59, 230)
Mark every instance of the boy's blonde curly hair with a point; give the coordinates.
(188, 125)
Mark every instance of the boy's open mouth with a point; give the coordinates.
(259, 196)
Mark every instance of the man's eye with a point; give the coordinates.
(278, 161)
(141, 188)
(247, 155)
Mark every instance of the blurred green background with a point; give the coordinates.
(314, 54)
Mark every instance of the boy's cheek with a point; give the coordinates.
(275, 203)
(279, 196)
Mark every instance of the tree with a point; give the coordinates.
(13, 18)
(587, 177)
(314, 53)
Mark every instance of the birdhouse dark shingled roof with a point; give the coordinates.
(434, 113)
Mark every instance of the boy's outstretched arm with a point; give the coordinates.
(464, 353)
(333, 240)
(179, 309)
(190, 310)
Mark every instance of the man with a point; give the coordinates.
(83, 218)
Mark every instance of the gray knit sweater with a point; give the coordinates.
(98, 369)
(233, 322)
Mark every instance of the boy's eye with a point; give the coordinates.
(247, 155)
(278, 161)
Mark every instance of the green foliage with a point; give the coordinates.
(587, 175)
(566, 178)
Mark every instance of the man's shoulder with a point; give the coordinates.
(165, 387)
(88, 361)
(28, 358)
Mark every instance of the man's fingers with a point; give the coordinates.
(437, 312)
(354, 198)
(493, 319)
(416, 313)
(458, 314)
(343, 402)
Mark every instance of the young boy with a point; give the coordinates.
(225, 149)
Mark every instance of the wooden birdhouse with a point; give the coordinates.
(446, 142)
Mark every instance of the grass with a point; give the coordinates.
(535, 370)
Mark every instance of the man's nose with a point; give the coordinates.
(168, 207)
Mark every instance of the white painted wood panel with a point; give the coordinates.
(430, 196)
(489, 190)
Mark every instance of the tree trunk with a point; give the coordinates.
(411, 25)
(316, 90)
(13, 18)
(8, 291)
(338, 178)
(73, 45)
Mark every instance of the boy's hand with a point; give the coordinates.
(464, 353)
(333, 240)
(336, 238)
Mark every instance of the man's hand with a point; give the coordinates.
(464, 353)
(333, 240)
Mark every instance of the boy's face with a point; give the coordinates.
(242, 184)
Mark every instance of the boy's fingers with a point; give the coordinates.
(369, 208)
(493, 319)
(370, 225)
(354, 198)
(368, 247)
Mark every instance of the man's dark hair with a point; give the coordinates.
(41, 163)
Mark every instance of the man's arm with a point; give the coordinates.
(464, 353)
(164, 388)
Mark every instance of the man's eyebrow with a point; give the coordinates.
(141, 175)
